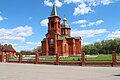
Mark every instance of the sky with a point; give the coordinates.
(23, 23)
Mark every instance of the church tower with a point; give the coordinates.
(65, 28)
(54, 21)
(54, 32)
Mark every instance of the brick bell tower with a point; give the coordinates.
(54, 32)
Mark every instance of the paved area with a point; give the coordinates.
(50, 72)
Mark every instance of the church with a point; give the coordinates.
(7, 49)
(58, 39)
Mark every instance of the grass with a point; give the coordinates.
(13, 57)
(99, 58)
(103, 58)
(61, 59)
(118, 58)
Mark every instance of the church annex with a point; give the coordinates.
(58, 39)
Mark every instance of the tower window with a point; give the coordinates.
(66, 31)
(51, 42)
(52, 24)
(58, 24)
(62, 31)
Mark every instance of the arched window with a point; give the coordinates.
(66, 31)
(58, 24)
(51, 42)
(62, 31)
(64, 47)
(52, 24)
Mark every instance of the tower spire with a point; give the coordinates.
(54, 11)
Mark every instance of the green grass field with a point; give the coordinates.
(102, 58)
(99, 58)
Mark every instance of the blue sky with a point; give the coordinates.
(23, 23)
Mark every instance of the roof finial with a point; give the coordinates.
(64, 19)
(54, 11)
(54, 3)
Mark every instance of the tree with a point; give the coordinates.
(25, 52)
(103, 47)
(38, 49)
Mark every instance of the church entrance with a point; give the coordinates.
(51, 51)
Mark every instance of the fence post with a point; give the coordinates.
(83, 58)
(7, 56)
(36, 58)
(114, 62)
(20, 58)
(2, 57)
(57, 59)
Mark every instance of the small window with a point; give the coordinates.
(52, 24)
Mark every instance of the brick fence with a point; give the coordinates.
(58, 62)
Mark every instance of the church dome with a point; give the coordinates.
(64, 24)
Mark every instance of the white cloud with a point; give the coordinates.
(16, 34)
(98, 40)
(73, 1)
(106, 2)
(115, 34)
(1, 18)
(85, 6)
(85, 23)
(82, 9)
(90, 2)
(44, 22)
(85, 43)
(91, 24)
(57, 2)
(24, 47)
(30, 18)
(99, 22)
(48, 3)
(88, 33)
(34, 43)
(80, 22)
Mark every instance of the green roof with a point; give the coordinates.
(68, 37)
(54, 11)
(64, 24)
(64, 37)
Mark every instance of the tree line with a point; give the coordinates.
(6, 45)
(103, 47)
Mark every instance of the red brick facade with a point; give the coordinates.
(58, 39)
(7, 50)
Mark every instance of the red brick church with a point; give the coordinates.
(58, 39)
(7, 50)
